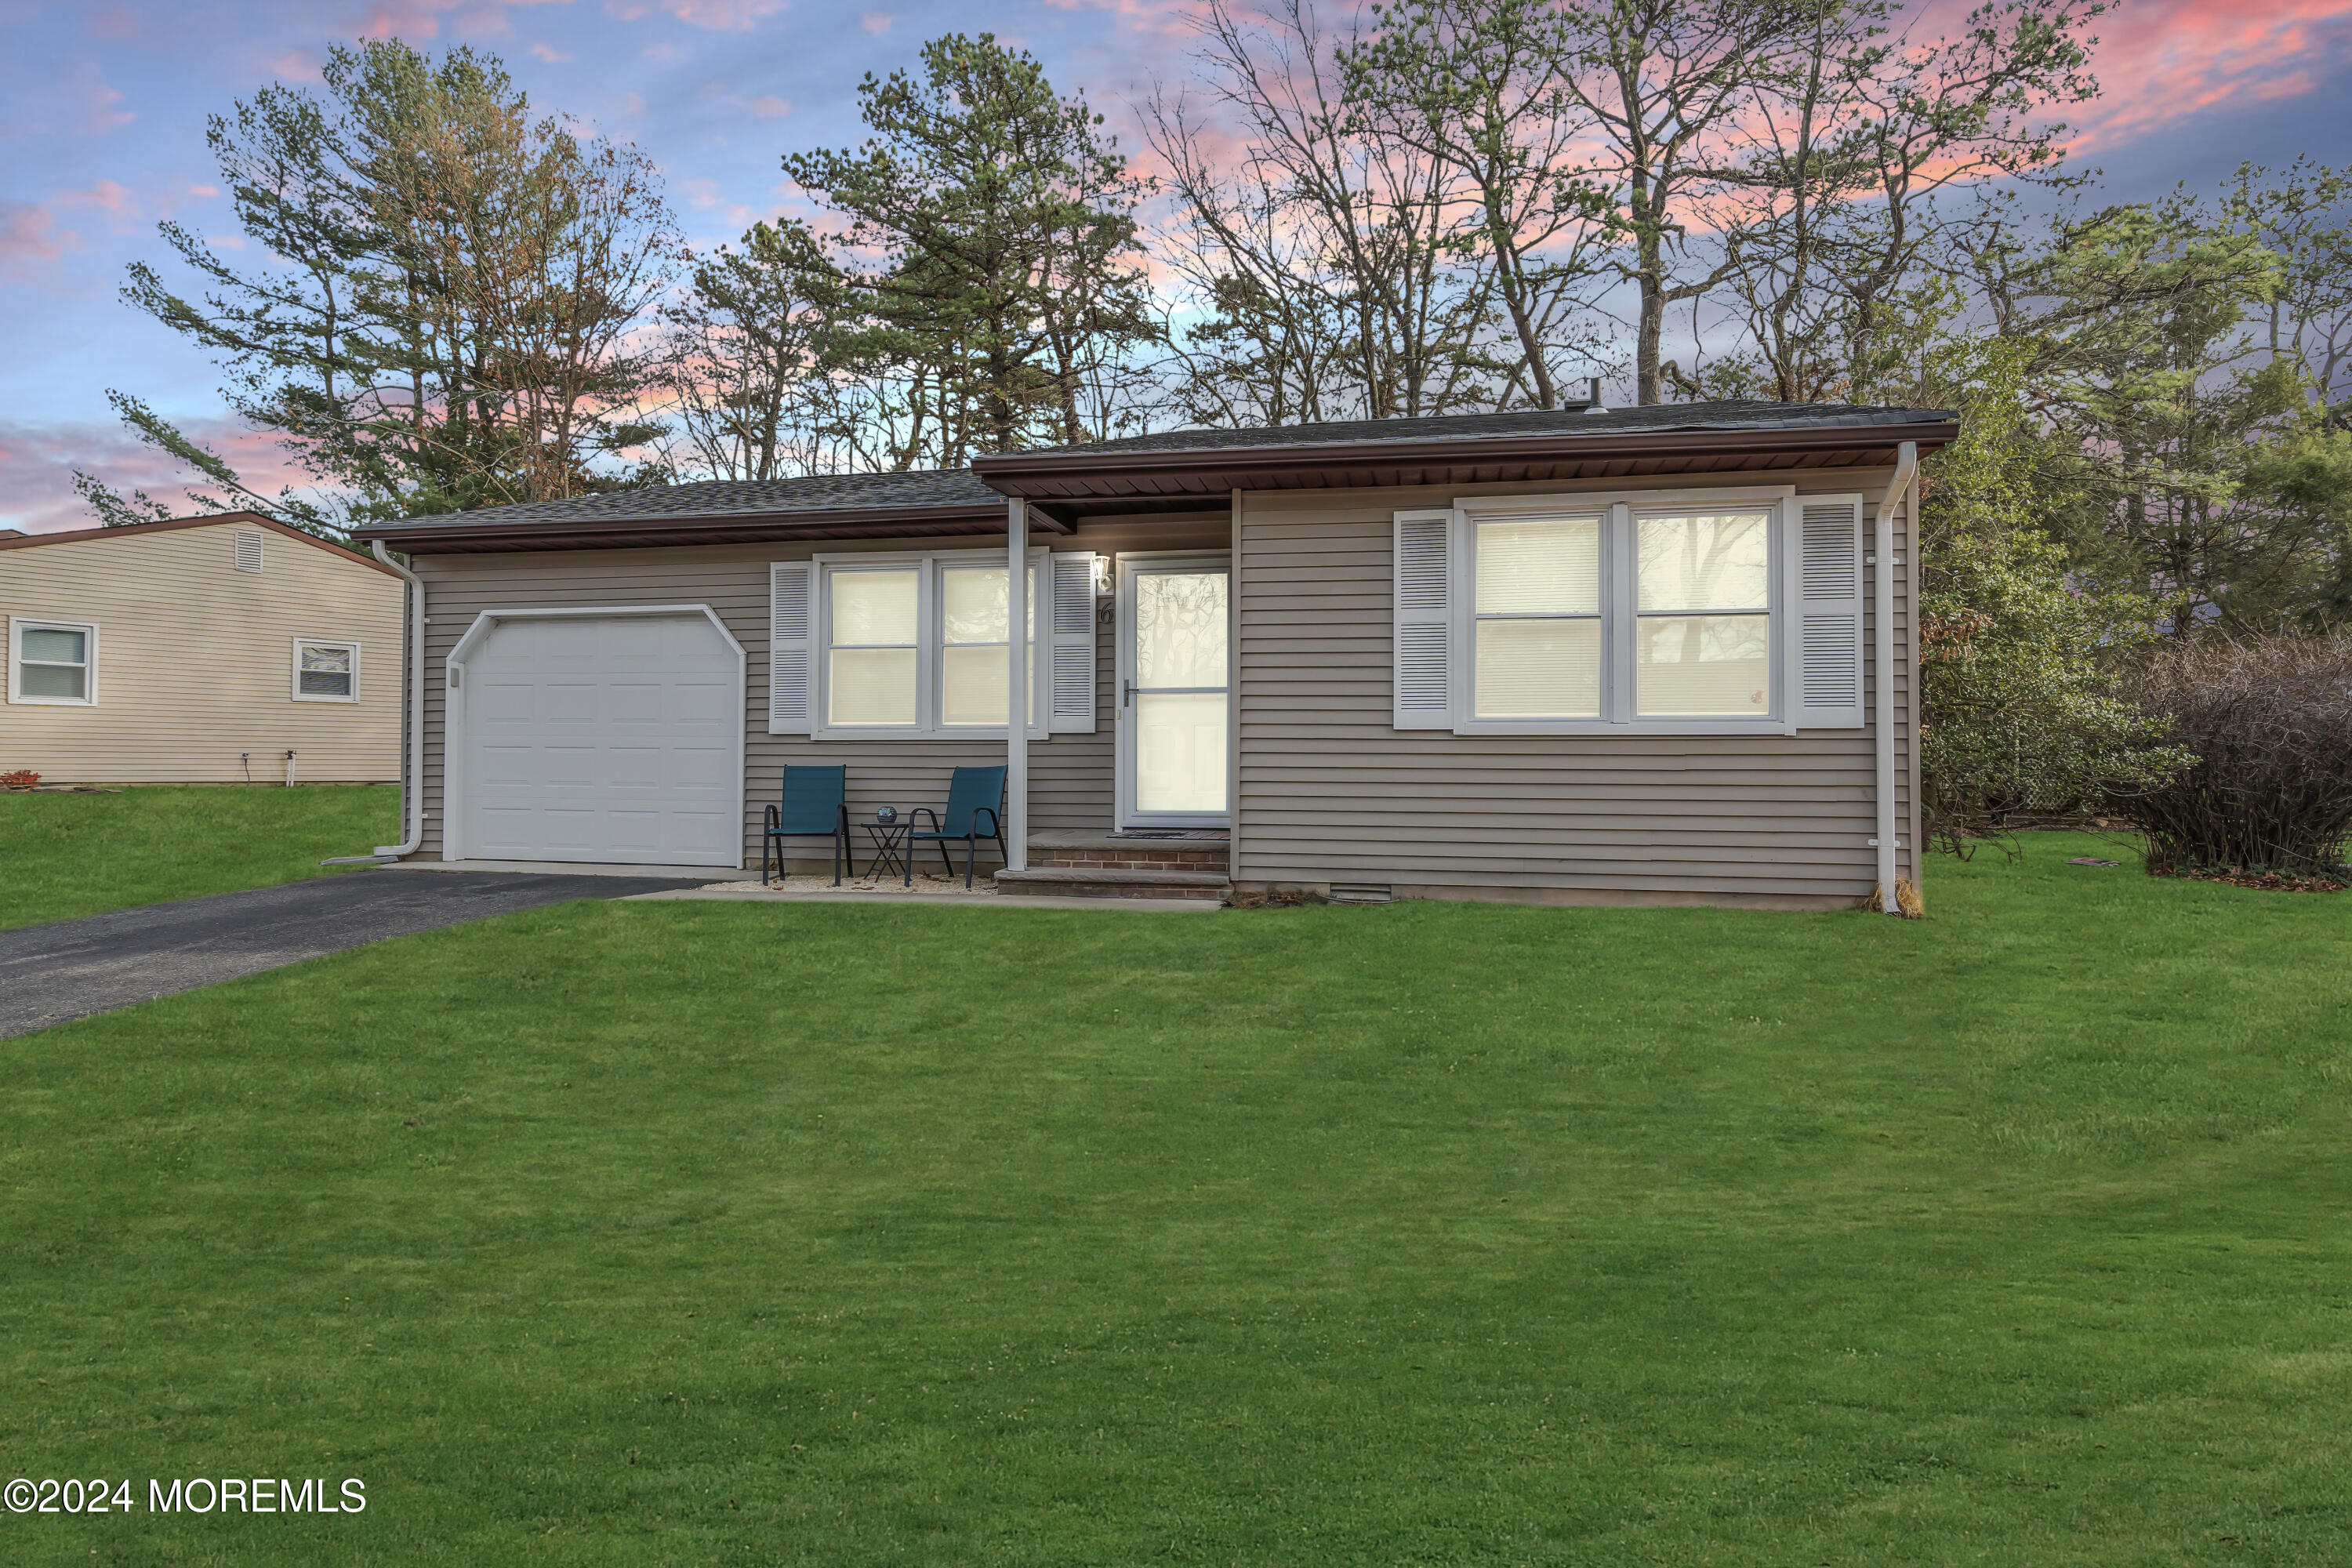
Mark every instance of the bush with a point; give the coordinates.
(2270, 719)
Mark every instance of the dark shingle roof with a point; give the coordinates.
(738, 497)
(927, 496)
(1530, 422)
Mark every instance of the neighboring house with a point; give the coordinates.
(201, 650)
(1573, 657)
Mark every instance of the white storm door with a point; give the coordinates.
(604, 739)
(1175, 682)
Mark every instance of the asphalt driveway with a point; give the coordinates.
(53, 973)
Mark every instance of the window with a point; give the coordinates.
(52, 662)
(1703, 648)
(1537, 647)
(1675, 612)
(326, 671)
(915, 646)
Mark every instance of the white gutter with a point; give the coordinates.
(1906, 469)
(411, 772)
(1016, 717)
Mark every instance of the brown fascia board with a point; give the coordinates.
(169, 524)
(1215, 469)
(453, 537)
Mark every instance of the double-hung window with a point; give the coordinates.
(1692, 612)
(52, 662)
(920, 645)
(1703, 602)
(326, 671)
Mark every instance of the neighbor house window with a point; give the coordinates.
(326, 671)
(919, 645)
(52, 661)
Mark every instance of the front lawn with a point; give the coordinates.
(626, 1232)
(66, 855)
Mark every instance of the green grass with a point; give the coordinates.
(1426, 1233)
(68, 854)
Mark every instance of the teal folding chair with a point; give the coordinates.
(975, 811)
(816, 804)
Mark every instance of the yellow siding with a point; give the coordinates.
(196, 661)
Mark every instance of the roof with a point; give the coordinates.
(1577, 421)
(1195, 469)
(173, 524)
(738, 497)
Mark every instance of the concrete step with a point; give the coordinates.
(1113, 882)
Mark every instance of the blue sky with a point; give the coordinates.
(102, 109)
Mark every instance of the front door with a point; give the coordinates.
(1175, 679)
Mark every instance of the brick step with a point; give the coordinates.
(1113, 882)
(1146, 855)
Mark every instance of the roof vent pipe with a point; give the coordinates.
(1592, 404)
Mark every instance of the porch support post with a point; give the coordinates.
(1016, 726)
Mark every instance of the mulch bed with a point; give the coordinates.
(2268, 881)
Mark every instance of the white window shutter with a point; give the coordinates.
(1829, 669)
(792, 645)
(1423, 602)
(1070, 657)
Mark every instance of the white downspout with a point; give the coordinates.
(1906, 467)
(411, 772)
(1016, 717)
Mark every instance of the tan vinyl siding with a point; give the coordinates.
(1070, 774)
(195, 660)
(1331, 793)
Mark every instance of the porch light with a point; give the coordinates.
(1102, 576)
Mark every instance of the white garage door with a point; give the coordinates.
(603, 738)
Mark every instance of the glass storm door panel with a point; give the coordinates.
(1174, 689)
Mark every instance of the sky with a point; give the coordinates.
(102, 111)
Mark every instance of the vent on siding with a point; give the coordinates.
(248, 550)
(1830, 568)
(1361, 893)
(1832, 675)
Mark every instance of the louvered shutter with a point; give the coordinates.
(248, 550)
(1070, 659)
(1829, 671)
(792, 645)
(1423, 692)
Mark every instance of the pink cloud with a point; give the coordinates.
(38, 464)
(548, 54)
(105, 194)
(877, 23)
(768, 106)
(722, 16)
(2161, 60)
(29, 234)
(102, 116)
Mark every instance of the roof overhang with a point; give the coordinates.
(1074, 483)
(1065, 487)
(452, 535)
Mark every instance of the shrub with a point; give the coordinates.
(2270, 719)
(19, 778)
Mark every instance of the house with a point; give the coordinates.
(223, 649)
(1655, 655)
